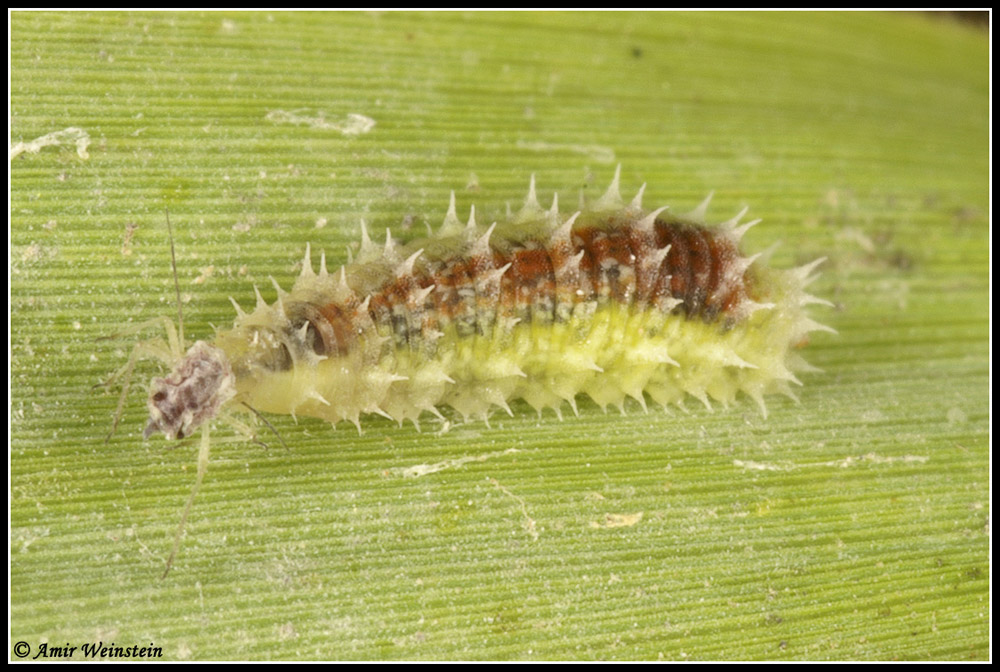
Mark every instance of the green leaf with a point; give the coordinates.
(854, 525)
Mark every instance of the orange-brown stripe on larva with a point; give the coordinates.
(611, 263)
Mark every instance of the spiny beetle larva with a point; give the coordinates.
(614, 301)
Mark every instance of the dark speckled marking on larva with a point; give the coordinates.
(613, 301)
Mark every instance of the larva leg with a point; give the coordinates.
(238, 425)
(203, 454)
(245, 431)
(249, 433)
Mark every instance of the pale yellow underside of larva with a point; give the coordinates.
(611, 353)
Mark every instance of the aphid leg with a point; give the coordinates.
(176, 350)
(141, 348)
(203, 454)
(168, 352)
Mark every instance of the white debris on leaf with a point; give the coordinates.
(351, 124)
(73, 135)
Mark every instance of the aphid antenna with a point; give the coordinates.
(177, 284)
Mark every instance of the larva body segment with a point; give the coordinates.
(614, 302)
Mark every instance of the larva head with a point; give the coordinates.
(193, 392)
